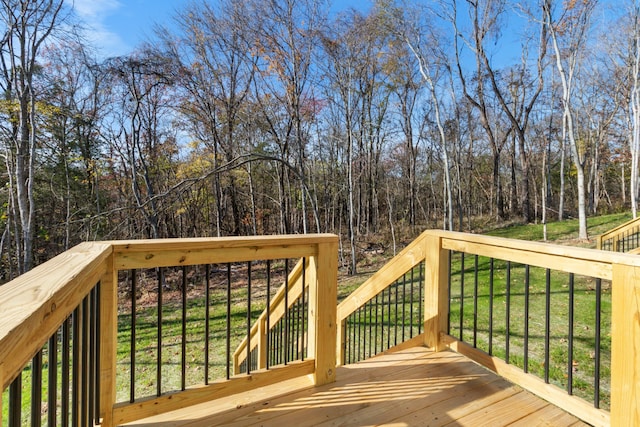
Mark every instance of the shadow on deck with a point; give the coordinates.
(413, 387)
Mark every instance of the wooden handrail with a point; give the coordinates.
(620, 229)
(34, 305)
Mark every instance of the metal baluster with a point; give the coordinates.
(248, 317)
(596, 372)
(228, 332)
(491, 265)
(547, 325)
(36, 390)
(52, 399)
(570, 343)
(207, 324)
(507, 312)
(526, 317)
(183, 361)
(160, 273)
(461, 295)
(475, 301)
(15, 402)
(132, 344)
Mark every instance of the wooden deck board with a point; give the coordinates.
(411, 387)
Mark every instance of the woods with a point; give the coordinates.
(255, 117)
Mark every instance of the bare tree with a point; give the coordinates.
(571, 26)
(28, 24)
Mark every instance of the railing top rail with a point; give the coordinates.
(192, 251)
(34, 305)
(621, 228)
(554, 250)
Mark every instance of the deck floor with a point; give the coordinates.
(413, 387)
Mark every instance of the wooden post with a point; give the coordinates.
(625, 346)
(599, 242)
(436, 293)
(323, 283)
(109, 342)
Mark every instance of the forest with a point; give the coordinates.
(253, 117)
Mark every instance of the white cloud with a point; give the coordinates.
(93, 14)
(95, 9)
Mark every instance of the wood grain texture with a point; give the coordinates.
(571, 404)
(109, 342)
(323, 294)
(33, 306)
(127, 412)
(178, 252)
(625, 346)
(415, 386)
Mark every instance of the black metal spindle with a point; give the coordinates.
(36, 389)
(449, 273)
(389, 317)
(420, 299)
(15, 402)
(461, 326)
(207, 324)
(297, 325)
(491, 272)
(404, 304)
(507, 313)
(228, 332)
(375, 345)
(65, 373)
(475, 301)
(183, 361)
(248, 317)
(304, 306)
(132, 343)
(268, 310)
(52, 398)
(160, 274)
(596, 361)
(98, 349)
(570, 335)
(370, 324)
(395, 335)
(286, 311)
(86, 327)
(75, 369)
(547, 325)
(92, 353)
(527, 278)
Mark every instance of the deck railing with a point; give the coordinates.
(623, 238)
(499, 301)
(36, 305)
(514, 307)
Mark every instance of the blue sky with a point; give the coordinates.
(116, 27)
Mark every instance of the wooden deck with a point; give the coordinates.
(413, 387)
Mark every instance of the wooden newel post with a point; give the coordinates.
(625, 346)
(436, 295)
(109, 342)
(323, 281)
